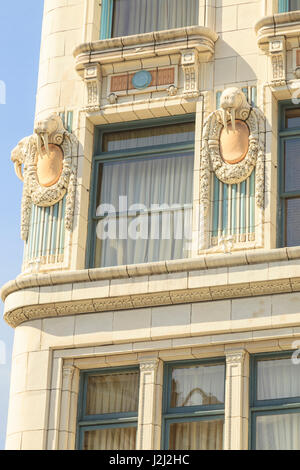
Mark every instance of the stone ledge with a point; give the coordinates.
(280, 24)
(14, 316)
(145, 45)
(203, 263)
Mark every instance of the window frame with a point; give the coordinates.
(150, 152)
(267, 407)
(188, 413)
(284, 134)
(101, 421)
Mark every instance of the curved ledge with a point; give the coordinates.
(147, 45)
(211, 277)
(280, 24)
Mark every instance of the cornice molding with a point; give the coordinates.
(204, 262)
(280, 24)
(145, 45)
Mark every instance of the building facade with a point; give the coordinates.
(158, 305)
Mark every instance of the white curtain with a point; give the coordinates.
(278, 432)
(294, 5)
(142, 16)
(114, 393)
(277, 379)
(200, 385)
(150, 233)
(110, 439)
(196, 435)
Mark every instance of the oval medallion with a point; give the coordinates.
(49, 167)
(234, 144)
(141, 79)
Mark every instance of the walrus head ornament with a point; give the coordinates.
(232, 103)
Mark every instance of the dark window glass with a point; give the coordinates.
(292, 118)
(294, 5)
(292, 165)
(137, 138)
(293, 222)
(143, 16)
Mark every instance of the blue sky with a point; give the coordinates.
(20, 32)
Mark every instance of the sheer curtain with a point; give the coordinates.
(156, 233)
(277, 379)
(194, 386)
(110, 439)
(294, 5)
(142, 16)
(196, 435)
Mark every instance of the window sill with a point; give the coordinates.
(146, 45)
(280, 24)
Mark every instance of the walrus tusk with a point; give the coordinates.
(39, 144)
(225, 119)
(18, 170)
(46, 143)
(232, 114)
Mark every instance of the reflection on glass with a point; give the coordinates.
(196, 435)
(292, 116)
(143, 16)
(112, 393)
(278, 432)
(197, 385)
(110, 439)
(292, 165)
(293, 222)
(137, 138)
(294, 5)
(276, 379)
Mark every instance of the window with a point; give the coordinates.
(275, 402)
(141, 209)
(194, 405)
(108, 409)
(289, 173)
(288, 5)
(127, 17)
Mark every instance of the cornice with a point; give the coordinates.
(145, 45)
(280, 24)
(30, 297)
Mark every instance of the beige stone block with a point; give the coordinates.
(226, 18)
(191, 342)
(209, 351)
(27, 337)
(207, 278)
(130, 286)
(18, 374)
(123, 359)
(38, 370)
(284, 269)
(152, 345)
(262, 346)
(167, 282)
(58, 332)
(132, 325)
(239, 274)
(248, 14)
(284, 304)
(13, 441)
(112, 349)
(176, 354)
(251, 308)
(93, 329)
(21, 298)
(90, 290)
(33, 440)
(59, 293)
(210, 316)
(171, 321)
(272, 333)
(28, 411)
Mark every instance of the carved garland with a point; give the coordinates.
(232, 173)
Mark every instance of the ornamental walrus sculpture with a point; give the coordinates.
(43, 161)
(233, 99)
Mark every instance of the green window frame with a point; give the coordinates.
(188, 414)
(285, 134)
(134, 153)
(106, 22)
(286, 5)
(268, 407)
(92, 422)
